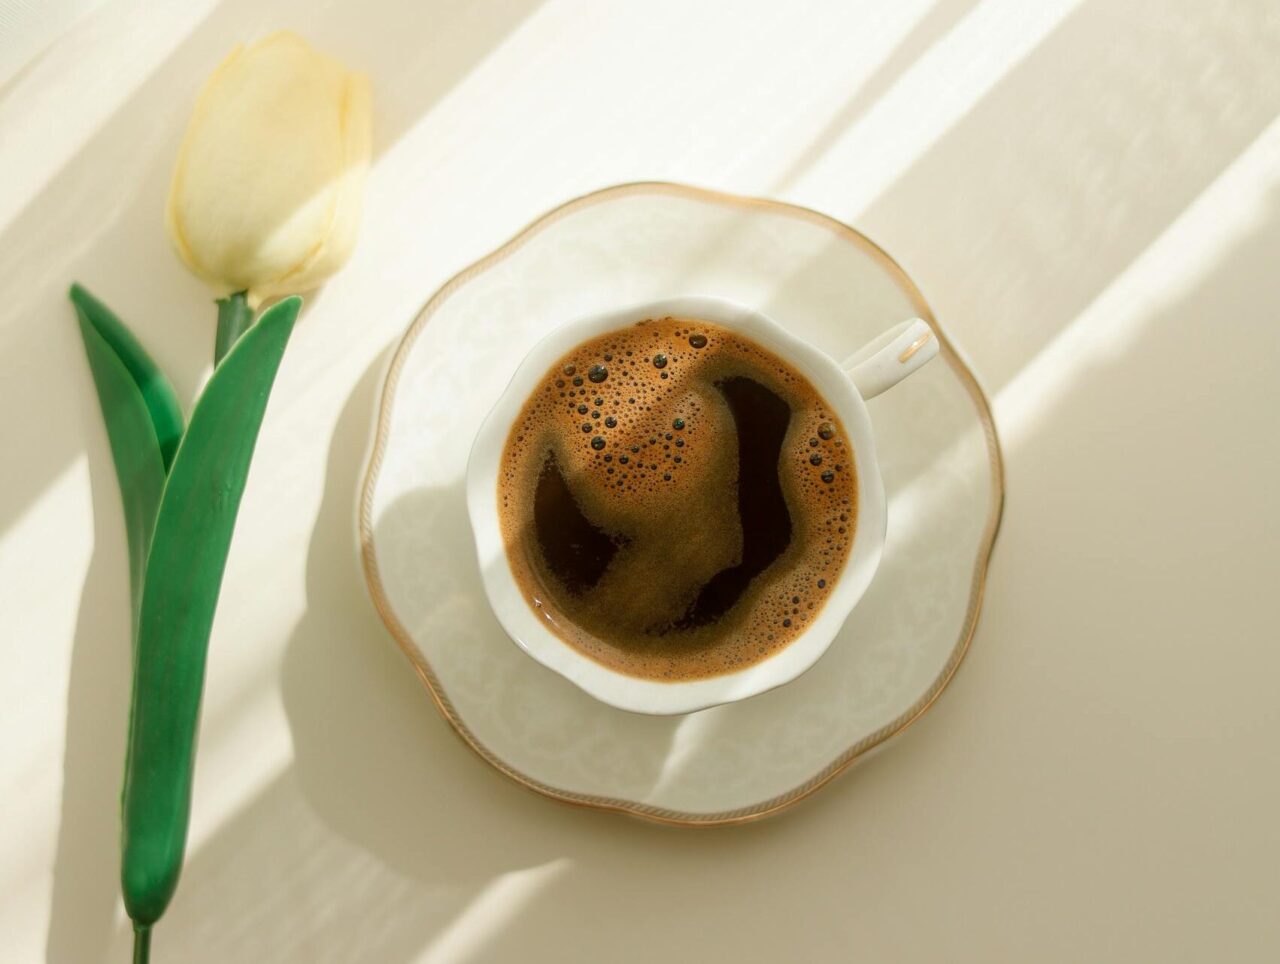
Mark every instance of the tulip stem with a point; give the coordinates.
(141, 943)
(234, 318)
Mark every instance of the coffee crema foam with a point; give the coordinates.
(647, 530)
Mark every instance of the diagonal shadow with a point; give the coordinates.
(1074, 162)
(937, 22)
(100, 219)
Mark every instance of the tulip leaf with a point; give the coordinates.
(157, 393)
(134, 449)
(184, 575)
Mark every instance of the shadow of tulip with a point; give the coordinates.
(86, 863)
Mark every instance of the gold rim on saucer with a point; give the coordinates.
(840, 763)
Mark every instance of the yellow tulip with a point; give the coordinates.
(267, 189)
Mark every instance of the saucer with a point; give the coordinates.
(895, 654)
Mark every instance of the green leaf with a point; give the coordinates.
(184, 575)
(134, 449)
(157, 393)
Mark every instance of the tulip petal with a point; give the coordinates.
(344, 196)
(267, 189)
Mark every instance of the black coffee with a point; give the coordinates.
(676, 500)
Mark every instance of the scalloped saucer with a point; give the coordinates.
(729, 764)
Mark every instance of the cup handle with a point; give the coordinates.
(889, 358)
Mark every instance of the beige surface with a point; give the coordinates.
(1089, 193)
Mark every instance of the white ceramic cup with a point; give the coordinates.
(846, 386)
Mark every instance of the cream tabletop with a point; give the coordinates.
(1087, 191)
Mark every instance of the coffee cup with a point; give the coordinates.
(846, 386)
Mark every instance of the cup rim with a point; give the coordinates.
(633, 693)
